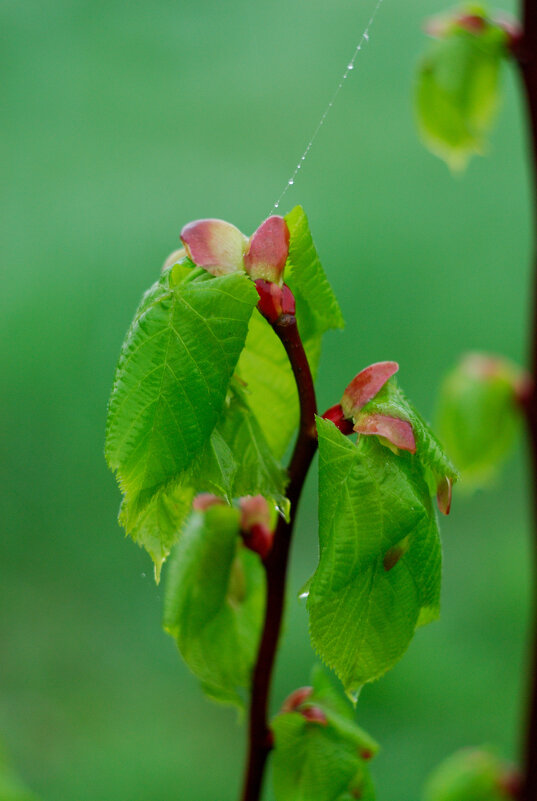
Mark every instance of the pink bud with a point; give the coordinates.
(258, 539)
(366, 385)
(296, 699)
(274, 300)
(398, 432)
(215, 245)
(268, 250)
(443, 495)
(256, 532)
(254, 509)
(511, 783)
(314, 715)
(473, 23)
(205, 500)
(336, 416)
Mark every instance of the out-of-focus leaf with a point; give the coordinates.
(479, 418)
(11, 789)
(315, 761)
(471, 775)
(380, 558)
(214, 602)
(457, 93)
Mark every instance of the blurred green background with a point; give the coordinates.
(121, 122)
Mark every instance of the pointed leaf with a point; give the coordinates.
(317, 308)
(214, 602)
(363, 612)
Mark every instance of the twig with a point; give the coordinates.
(260, 739)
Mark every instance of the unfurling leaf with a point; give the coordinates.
(319, 752)
(380, 558)
(473, 775)
(457, 91)
(480, 415)
(214, 602)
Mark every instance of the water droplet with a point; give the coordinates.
(276, 205)
(366, 36)
(143, 575)
(298, 166)
(290, 182)
(350, 66)
(303, 595)
(303, 158)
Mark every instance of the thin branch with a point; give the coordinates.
(260, 739)
(526, 54)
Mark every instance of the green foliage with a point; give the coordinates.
(172, 378)
(313, 761)
(380, 557)
(479, 418)
(392, 401)
(470, 775)
(457, 91)
(214, 602)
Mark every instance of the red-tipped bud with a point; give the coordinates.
(205, 500)
(254, 510)
(397, 432)
(268, 250)
(511, 783)
(215, 245)
(366, 754)
(366, 385)
(296, 699)
(259, 539)
(274, 300)
(335, 414)
(255, 525)
(314, 715)
(443, 495)
(473, 23)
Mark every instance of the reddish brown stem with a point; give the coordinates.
(259, 734)
(526, 54)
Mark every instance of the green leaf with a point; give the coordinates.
(479, 418)
(156, 527)
(317, 307)
(269, 384)
(391, 401)
(236, 461)
(315, 762)
(457, 92)
(214, 602)
(172, 378)
(470, 775)
(380, 557)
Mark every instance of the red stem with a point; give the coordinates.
(276, 562)
(526, 54)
